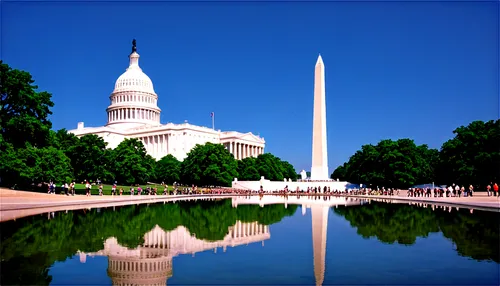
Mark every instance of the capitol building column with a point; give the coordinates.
(150, 139)
(165, 144)
(235, 150)
(169, 151)
(154, 145)
(241, 150)
(157, 143)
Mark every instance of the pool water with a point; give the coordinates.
(307, 242)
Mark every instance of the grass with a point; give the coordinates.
(106, 189)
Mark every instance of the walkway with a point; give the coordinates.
(17, 204)
(479, 200)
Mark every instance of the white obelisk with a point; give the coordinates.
(319, 169)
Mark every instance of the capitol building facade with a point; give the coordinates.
(134, 113)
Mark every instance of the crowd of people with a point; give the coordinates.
(451, 191)
(178, 189)
(67, 189)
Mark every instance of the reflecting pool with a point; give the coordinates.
(254, 241)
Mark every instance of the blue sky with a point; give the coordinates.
(393, 70)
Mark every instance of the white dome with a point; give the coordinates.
(134, 79)
(134, 102)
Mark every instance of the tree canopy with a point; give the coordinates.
(399, 163)
(209, 164)
(168, 170)
(471, 157)
(24, 111)
(131, 162)
(273, 168)
(88, 155)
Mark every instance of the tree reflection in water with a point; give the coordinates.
(476, 235)
(31, 245)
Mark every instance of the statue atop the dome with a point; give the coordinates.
(134, 46)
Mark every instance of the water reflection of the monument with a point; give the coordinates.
(151, 263)
(320, 207)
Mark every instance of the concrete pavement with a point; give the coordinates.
(479, 200)
(17, 204)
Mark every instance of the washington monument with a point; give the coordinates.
(319, 169)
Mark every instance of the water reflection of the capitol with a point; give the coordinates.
(151, 263)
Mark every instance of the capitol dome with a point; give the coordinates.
(134, 102)
(134, 79)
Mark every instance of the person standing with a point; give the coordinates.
(87, 189)
(495, 189)
(488, 189)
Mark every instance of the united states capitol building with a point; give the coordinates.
(134, 113)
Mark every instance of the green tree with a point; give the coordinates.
(32, 165)
(267, 165)
(52, 164)
(473, 155)
(14, 168)
(288, 170)
(340, 173)
(168, 170)
(270, 167)
(209, 164)
(64, 141)
(390, 163)
(23, 111)
(430, 168)
(247, 170)
(89, 156)
(131, 163)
